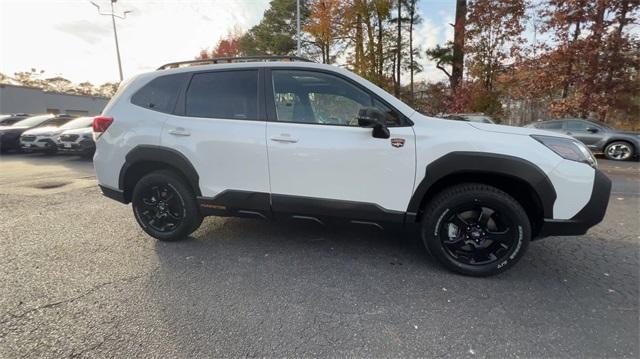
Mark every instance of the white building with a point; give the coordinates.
(22, 99)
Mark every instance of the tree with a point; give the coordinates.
(443, 56)
(323, 25)
(398, 49)
(452, 53)
(108, 89)
(58, 84)
(597, 55)
(457, 53)
(493, 35)
(276, 32)
(86, 88)
(414, 19)
(228, 46)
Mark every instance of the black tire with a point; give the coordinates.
(165, 206)
(619, 151)
(481, 216)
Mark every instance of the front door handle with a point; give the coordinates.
(179, 131)
(284, 139)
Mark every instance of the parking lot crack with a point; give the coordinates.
(91, 290)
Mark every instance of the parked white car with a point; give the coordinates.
(78, 139)
(45, 138)
(306, 141)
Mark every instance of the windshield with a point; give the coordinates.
(32, 121)
(77, 123)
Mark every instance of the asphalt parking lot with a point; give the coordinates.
(79, 278)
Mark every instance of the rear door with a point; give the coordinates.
(321, 163)
(219, 126)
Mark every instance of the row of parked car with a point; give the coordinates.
(47, 133)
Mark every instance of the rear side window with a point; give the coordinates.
(223, 94)
(160, 94)
(551, 125)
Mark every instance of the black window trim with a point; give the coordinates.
(181, 105)
(271, 104)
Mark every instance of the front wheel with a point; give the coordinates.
(475, 229)
(165, 206)
(619, 151)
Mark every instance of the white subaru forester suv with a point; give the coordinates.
(255, 137)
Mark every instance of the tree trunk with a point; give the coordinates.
(457, 68)
(615, 51)
(396, 88)
(380, 62)
(593, 69)
(569, 69)
(412, 13)
(359, 45)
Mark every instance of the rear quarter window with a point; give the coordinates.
(161, 94)
(224, 95)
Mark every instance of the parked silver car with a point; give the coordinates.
(599, 137)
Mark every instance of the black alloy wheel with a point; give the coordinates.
(475, 229)
(165, 206)
(477, 235)
(161, 207)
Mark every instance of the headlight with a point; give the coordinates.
(568, 149)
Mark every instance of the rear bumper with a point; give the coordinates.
(114, 194)
(590, 215)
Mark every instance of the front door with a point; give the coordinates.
(321, 163)
(587, 133)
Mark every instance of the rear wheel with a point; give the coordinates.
(475, 229)
(619, 151)
(165, 206)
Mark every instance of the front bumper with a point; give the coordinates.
(83, 146)
(590, 215)
(45, 144)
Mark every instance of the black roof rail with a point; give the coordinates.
(228, 60)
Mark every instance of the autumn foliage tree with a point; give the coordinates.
(324, 26)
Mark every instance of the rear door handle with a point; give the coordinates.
(284, 139)
(179, 131)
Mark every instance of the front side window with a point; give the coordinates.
(224, 95)
(319, 98)
(160, 94)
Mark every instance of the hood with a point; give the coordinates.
(39, 131)
(78, 131)
(511, 130)
(12, 128)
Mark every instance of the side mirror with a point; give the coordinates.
(592, 129)
(373, 118)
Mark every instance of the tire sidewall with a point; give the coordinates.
(434, 221)
(631, 147)
(185, 196)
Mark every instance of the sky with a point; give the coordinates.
(69, 38)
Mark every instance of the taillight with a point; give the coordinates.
(100, 124)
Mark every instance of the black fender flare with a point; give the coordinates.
(455, 163)
(165, 155)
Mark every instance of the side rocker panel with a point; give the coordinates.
(484, 163)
